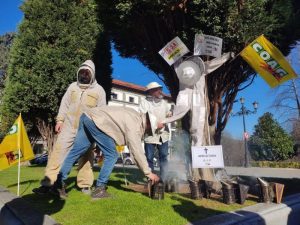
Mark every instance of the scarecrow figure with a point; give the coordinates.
(192, 97)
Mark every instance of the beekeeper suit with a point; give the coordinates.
(80, 95)
(158, 109)
(191, 97)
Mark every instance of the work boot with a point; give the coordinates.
(86, 190)
(99, 193)
(46, 182)
(42, 190)
(59, 189)
(62, 192)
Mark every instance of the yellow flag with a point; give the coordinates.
(268, 61)
(15, 140)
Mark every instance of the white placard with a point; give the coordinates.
(208, 45)
(207, 157)
(173, 51)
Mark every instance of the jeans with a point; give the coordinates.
(86, 135)
(163, 156)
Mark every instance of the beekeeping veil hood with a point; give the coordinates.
(83, 79)
(190, 71)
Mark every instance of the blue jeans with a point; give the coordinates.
(87, 134)
(163, 156)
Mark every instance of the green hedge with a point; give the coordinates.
(271, 164)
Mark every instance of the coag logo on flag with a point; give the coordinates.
(268, 61)
(13, 129)
(269, 65)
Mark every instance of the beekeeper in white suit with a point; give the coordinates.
(158, 109)
(191, 97)
(85, 93)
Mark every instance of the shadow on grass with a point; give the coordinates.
(133, 175)
(46, 204)
(49, 203)
(192, 212)
(28, 210)
(38, 165)
(119, 185)
(28, 184)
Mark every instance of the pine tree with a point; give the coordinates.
(53, 39)
(270, 141)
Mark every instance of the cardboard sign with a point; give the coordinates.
(208, 45)
(207, 157)
(173, 51)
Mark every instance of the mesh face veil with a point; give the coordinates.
(84, 76)
(190, 71)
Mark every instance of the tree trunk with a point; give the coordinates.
(47, 133)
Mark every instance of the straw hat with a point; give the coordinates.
(190, 70)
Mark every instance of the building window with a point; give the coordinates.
(131, 99)
(114, 95)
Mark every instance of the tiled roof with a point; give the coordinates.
(126, 85)
(133, 87)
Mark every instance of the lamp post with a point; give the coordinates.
(243, 112)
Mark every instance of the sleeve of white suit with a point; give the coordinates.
(144, 106)
(183, 105)
(102, 97)
(214, 64)
(135, 145)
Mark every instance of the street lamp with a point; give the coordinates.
(244, 111)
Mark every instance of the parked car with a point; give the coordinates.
(127, 160)
(40, 159)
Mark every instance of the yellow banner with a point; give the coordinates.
(15, 140)
(268, 61)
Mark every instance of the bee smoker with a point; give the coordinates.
(156, 191)
(195, 189)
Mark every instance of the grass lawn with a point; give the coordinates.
(128, 206)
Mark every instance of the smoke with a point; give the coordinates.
(179, 164)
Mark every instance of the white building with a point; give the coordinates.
(129, 95)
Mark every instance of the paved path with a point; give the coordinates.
(264, 172)
(16, 211)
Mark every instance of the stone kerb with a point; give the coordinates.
(286, 213)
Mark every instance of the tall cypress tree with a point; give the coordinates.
(5, 44)
(53, 39)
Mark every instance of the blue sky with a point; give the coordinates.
(131, 70)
